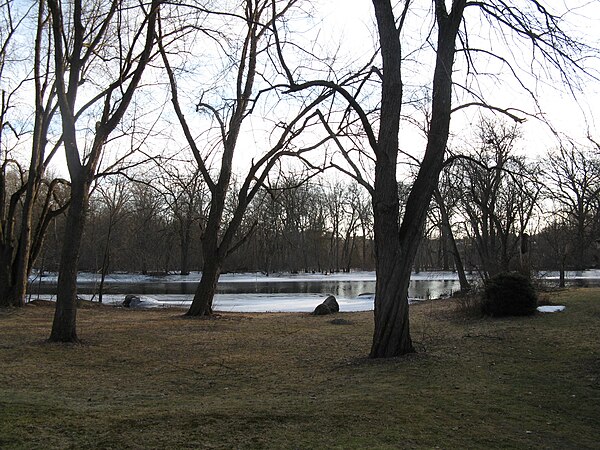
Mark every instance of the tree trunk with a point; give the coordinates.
(392, 331)
(184, 262)
(444, 238)
(104, 271)
(22, 258)
(105, 258)
(205, 293)
(396, 246)
(561, 281)
(185, 250)
(391, 336)
(524, 260)
(65, 315)
(213, 258)
(7, 285)
(460, 269)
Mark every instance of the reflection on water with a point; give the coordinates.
(343, 289)
(259, 294)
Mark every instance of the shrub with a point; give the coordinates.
(509, 294)
(468, 304)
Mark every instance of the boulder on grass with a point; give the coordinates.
(131, 301)
(329, 306)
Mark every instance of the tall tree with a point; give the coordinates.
(449, 234)
(91, 42)
(573, 186)
(184, 193)
(248, 56)
(499, 193)
(396, 243)
(21, 233)
(397, 240)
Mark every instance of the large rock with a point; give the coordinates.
(132, 301)
(329, 306)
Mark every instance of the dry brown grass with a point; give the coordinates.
(153, 379)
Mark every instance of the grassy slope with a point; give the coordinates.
(151, 379)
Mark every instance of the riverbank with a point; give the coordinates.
(281, 292)
(152, 379)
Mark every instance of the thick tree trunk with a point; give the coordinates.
(65, 315)
(205, 293)
(22, 258)
(7, 291)
(396, 246)
(213, 257)
(392, 331)
(391, 336)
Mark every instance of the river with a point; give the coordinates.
(259, 292)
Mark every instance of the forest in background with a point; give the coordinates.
(204, 135)
(153, 223)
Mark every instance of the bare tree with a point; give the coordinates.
(114, 197)
(556, 247)
(396, 240)
(149, 227)
(499, 193)
(446, 225)
(185, 196)
(396, 243)
(250, 55)
(85, 40)
(573, 186)
(21, 233)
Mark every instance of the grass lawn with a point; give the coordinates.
(152, 379)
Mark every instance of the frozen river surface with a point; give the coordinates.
(266, 293)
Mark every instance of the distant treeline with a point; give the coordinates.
(484, 206)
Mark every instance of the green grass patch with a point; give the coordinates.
(153, 379)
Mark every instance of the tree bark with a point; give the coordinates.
(65, 315)
(391, 336)
(205, 293)
(7, 291)
(396, 247)
(460, 269)
(185, 239)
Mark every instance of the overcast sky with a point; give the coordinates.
(353, 19)
(348, 27)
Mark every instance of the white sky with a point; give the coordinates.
(348, 26)
(353, 21)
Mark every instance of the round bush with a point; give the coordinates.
(509, 294)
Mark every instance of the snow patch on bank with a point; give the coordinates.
(551, 308)
(240, 302)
